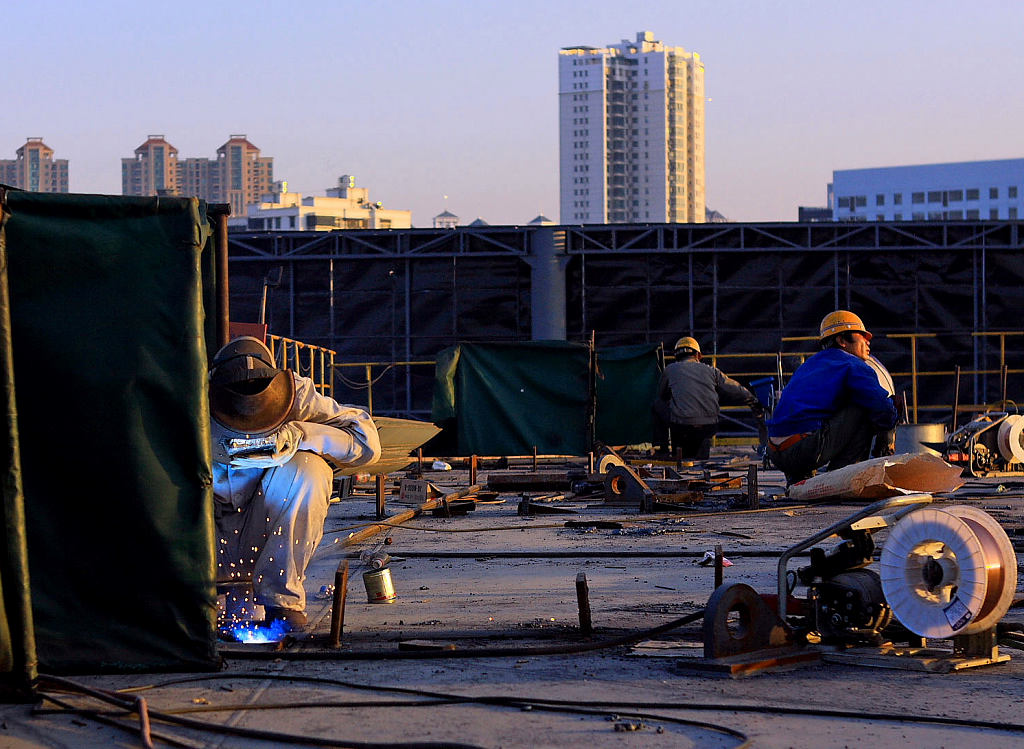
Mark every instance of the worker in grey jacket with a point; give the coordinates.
(689, 394)
(276, 442)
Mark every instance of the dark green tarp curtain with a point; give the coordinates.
(627, 383)
(109, 353)
(507, 398)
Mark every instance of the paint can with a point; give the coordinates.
(378, 586)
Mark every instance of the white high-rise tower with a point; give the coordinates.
(631, 133)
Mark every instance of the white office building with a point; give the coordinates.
(345, 207)
(631, 133)
(966, 190)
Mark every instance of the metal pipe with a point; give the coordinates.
(338, 604)
(219, 212)
(956, 398)
(583, 600)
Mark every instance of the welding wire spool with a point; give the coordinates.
(1011, 440)
(949, 571)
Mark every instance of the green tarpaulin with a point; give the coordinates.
(107, 332)
(506, 399)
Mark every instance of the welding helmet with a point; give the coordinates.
(248, 394)
(841, 321)
(687, 345)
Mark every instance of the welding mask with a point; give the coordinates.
(248, 394)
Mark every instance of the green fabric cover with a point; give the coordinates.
(627, 383)
(507, 398)
(110, 379)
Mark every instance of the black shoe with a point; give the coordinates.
(292, 617)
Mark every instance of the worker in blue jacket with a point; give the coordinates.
(833, 406)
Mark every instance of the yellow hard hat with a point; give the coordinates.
(687, 343)
(841, 321)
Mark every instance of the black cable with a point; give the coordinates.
(502, 700)
(548, 706)
(252, 733)
(68, 708)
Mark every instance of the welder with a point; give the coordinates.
(833, 407)
(276, 444)
(688, 402)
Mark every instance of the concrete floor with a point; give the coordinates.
(494, 579)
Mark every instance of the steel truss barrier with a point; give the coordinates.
(401, 295)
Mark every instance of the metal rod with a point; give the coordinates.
(369, 390)
(719, 566)
(753, 499)
(219, 213)
(472, 469)
(338, 605)
(583, 600)
(381, 495)
(956, 398)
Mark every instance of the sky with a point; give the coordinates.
(453, 104)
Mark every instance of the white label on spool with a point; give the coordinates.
(957, 614)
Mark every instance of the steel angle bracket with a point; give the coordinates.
(622, 485)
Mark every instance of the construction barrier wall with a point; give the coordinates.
(935, 293)
(109, 380)
(511, 398)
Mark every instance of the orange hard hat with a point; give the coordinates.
(686, 342)
(841, 321)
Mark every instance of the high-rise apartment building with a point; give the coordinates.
(243, 176)
(153, 171)
(238, 176)
(631, 133)
(35, 169)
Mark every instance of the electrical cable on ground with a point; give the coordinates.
(69, 685)
(174, 717)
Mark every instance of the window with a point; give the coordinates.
(956, 196)
(897, 198)
(972, 194)
(973, 214)
(993, 213)
(1011, 192)
(934, 196)
(935, 215)
(954, 215)
(861, 201)
(917, 197)
(879, 200)
(879, 217)
(917, 217)
(897, 217)
(993, 193)
(1012, 212)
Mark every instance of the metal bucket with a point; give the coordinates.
(378, 586)
(909, 438)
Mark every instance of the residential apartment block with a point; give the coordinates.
(631, 133)
(966, 190)
(238, 176)
(35, 169)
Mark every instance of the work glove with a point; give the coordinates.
(284, 446)
(885, 444)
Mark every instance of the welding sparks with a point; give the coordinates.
(259, 632)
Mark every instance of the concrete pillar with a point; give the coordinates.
(547, 261)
